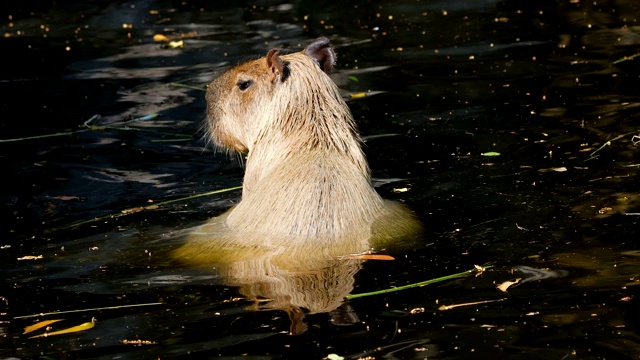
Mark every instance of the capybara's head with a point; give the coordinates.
(277, 96)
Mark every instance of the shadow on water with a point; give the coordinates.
(544, 84)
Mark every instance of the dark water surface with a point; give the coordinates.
(543, 83)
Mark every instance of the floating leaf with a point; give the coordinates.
(174, 44)
(77, 328)
(449, 307)
(370, 257)
(160, 37)
(491, 153)
(505, 285)
(176, 37)
(30, 257)
(132, 210)
(353, 78)
(556, 169)
(602, 211)
(39, 325)
(138, 342)
(66, 198)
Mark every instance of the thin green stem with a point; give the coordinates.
(148, 207)
(187, 86)
(419, 284)
(214, 192)
(610, 141)
(88, 127)
(84, 310)
(626, 58)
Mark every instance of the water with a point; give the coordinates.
(544, 84)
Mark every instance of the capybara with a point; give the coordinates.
(307, 185)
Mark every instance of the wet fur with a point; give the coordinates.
(307, 181)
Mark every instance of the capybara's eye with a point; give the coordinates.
(244, 84)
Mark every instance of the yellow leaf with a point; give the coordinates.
(358, 95)
(81, 327)
(369, 257)
(174, 44)
(505, 285)
(132, 210)
(160, 37)
(30, 257)
(39, 325)
(449, 307)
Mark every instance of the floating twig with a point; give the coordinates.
(88, 127)
(148, 207)
(67, 133)
(449, 307)
(176, 84)
(85, 310)
(626, 58)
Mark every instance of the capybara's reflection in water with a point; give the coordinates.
(307, 197)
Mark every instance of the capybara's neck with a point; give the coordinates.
(308, 193)
(269, 156)
(312, 195)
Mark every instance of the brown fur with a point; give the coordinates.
(307, 184)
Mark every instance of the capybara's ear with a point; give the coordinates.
(275, 65)
(322, 52)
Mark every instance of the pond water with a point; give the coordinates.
(549, 88)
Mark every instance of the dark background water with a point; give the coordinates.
(544, 83)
